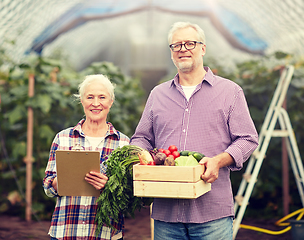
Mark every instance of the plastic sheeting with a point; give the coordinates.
(133, 33)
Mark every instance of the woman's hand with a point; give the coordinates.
(54, 183)
(96, 179)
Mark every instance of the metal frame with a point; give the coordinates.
(275, 114)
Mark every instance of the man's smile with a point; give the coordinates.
(184, 57)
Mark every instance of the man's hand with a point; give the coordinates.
(211, 169)
(213, 165)
(96, 179)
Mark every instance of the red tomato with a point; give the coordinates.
(170, 155)
(167, 152)
(151, 163)
(161, 150)
(172, 148)
(175, 154)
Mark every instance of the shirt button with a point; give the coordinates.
(187, 110)
(184, 130)
(83, 222)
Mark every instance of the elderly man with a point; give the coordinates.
(197, 111)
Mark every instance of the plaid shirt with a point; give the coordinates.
(74, 216)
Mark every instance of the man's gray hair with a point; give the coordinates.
(181, 25)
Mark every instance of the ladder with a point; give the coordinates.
(276, 113)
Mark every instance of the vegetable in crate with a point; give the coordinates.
(186, 161)
(171, 151)
(169, 161)
(145, 158)
(197, 155)
(117, 196)
(175, 154)
(184, 153)
(159, 158)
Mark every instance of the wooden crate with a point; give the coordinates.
(169, 181)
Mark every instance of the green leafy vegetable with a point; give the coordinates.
(186, 161)
(117, 196)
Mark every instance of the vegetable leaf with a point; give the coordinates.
(117, 197)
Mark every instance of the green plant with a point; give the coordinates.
(54, 109)
(129, 95)
(259, 78)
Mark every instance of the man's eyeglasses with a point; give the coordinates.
(188, 45)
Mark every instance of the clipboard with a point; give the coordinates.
(72, 166)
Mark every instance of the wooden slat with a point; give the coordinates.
(170, 189)
(168, 173)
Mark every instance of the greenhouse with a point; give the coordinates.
(133, 34)
(48, 47)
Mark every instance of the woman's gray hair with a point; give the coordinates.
(181, 25)
(102, 79)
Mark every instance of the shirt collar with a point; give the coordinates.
(209, 77)
(111, 131)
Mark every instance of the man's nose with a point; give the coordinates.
(183, 46)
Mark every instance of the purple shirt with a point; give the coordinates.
(216, 119)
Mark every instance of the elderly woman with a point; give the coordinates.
(74, 216)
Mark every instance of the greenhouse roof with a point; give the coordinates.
(133, 33)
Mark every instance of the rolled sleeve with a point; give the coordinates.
(48, 188)
(239, 155)
(50, 171)
(242, 131)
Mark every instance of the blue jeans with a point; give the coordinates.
(220, 229)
